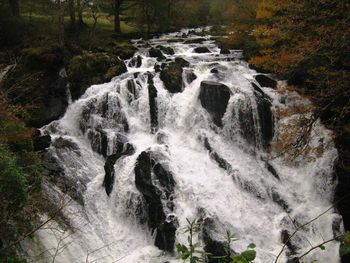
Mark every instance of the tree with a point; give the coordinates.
(14, 6)
(71, 10)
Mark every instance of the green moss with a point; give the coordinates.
(92, 68)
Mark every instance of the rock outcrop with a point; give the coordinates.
(214, 98)
(171, 75)
(156, 184)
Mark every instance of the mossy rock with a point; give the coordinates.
(122, 49)
(171, 75)
(92, 68)
(46, 58)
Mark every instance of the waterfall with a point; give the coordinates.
(137, 156)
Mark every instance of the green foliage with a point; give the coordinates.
(13, 184)
(344, 244)
(191, 251)
(16, 260)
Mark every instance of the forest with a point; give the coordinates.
(54, 52)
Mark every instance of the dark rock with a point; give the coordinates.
(131, 86)
(166, 50)
(222, 163)
(152, 96)
(266, 81)
(175, 40)
(171, 75)
(214, 98)
(40, 143)
(157, 68)
(160, 218)
(276, 197)
(285, 238)
(271, 169)
(246, 121)
(195, 41)
(201, 50)
(181, 62)
(135, 62)
(258, 89)
(214, 71)
(62, 142)
(213, 246)
(190, 76)
(156, 53)
(123, 149)
(225, 51)
(266, 119)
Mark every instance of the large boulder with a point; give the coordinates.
(156, 184)
(171, 75)
(214, 98)
(166, 50)
(92, 68)
(201, 50)
(156, 53)
(266, 81)
(121, 49)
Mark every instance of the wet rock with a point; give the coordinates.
(175, 40)
(156, 53)
(131, 86)
(285, 238)
(271, 169)
(248, 130)
(213, 245)
(214, 98)
(135, 62)
(157, 68)
(266, 119)
(152, 96)
(201, 50)
(166, 50)
(195, 41)
(171, 75)
(222, 163)
(62, 142)
(40, 143)
(123, 149)
(266, 81)
(162, 138)
(277, 198)
(225, 51)
(156, 183)
(214, 71)
(190, 76)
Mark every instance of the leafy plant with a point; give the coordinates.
(231, 257)
(191, 252)
(344, 244)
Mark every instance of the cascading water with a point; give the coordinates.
(137, 158)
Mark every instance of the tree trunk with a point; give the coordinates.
(60, 16)
(71, 10)
(14, 7)
(80, 12)
(117, 4)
